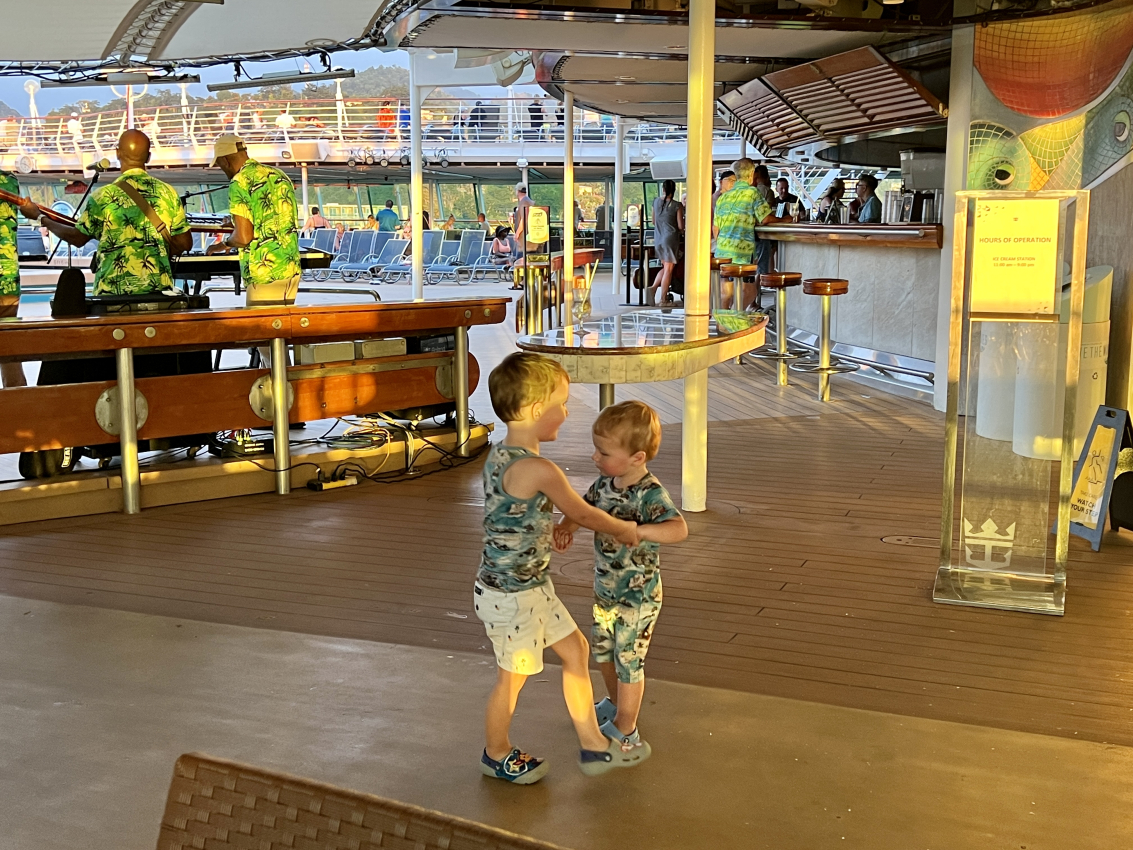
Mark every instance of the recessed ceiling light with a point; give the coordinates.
(675, 46)
(625, 78)
(621, 101)
(892, 2)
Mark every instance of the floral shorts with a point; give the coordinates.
(621, 634)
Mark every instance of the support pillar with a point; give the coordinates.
(416, 184)
(701, 76)
(619, 175)
(568, 201)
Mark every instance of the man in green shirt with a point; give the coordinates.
(133, 251)
(738, 212)
(261, 201)
(11, 374)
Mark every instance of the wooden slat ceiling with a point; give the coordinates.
(850, 94)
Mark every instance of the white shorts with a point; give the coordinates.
(521, 625)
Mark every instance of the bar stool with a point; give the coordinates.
(715, 296)
(740, 274)
(825, 288)
(780, 282)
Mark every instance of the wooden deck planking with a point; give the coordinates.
(784, 586)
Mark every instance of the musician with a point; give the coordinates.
(11, 374)
(261, 201)
(134, 241)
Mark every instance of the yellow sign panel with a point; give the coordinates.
(1015, 257)
(538, 226)
(1086, 501)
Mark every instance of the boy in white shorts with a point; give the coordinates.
(514, 596)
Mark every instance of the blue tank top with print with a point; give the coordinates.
(517, 532)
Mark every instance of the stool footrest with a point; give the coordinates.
(817, 369)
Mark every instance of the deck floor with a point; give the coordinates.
(784, 586)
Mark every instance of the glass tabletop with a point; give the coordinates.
(640, 329)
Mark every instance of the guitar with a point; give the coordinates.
(212, 226)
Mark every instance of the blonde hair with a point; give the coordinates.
(521, 379)
(634, 424)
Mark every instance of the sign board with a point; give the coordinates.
(1094, 472)
(1015, 259)
(538, 226)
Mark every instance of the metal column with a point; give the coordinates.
(701, 115)
(306, 201)
(128, 432)
(616, 218)
(605, 396)
(280, 426)
(781, 334)
(568, 207)
(417, 183)
(460, 390)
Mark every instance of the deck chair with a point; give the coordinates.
(324, 240)
(361, 246)
(446, 267)
(346, 251)
(342, 256)
(225, 805)
(432, 239)
(391, 253)
(479, 249)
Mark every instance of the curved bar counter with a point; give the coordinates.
(894, 275)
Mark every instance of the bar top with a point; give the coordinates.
(875, 235)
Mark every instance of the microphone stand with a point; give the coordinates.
(78, 209)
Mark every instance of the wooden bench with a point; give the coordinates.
(215, 804)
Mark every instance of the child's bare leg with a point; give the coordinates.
(578, 692)
(630, 695)
(501, 706)
(610, 677)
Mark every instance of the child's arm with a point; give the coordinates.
(529, 476)
(669, 531)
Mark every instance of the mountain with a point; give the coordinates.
(7, 112)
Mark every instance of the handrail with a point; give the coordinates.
(360, 121)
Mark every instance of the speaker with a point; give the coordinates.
(668, 169)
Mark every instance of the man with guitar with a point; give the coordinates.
(138, 221)
(11, 374)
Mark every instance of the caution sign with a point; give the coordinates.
(538, 225)
(1089, 491)
(1094, 473)
(1015, 259)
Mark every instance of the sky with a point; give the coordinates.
(12, 88)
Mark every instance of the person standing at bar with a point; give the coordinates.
(261, 201)
(869, 206)
(738, 212)
(138, 221)
(11, 374)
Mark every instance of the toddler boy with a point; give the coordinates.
(627, 578)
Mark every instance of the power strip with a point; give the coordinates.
(318, 486)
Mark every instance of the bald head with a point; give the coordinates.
(133, 149)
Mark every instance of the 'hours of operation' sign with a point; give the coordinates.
(1015, 257)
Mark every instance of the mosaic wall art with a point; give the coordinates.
(1053, 101)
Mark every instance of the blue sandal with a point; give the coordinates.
(516, 767)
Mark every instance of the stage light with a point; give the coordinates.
(284, 79)
(384, 161)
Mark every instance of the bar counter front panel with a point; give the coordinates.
(894, 280)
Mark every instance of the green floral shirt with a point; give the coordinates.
(629, 574)
(266, 197)
(9, 258)
(738, 211)
(132, 257)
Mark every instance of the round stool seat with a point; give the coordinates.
(781, 280)
(715, 263)
(826, 286)
(734, 270)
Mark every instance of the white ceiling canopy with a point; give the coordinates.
(76, 36)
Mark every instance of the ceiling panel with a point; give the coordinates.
(616, 68)
(59, 30)
(247, 26)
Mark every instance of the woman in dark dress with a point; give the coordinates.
(668, 224)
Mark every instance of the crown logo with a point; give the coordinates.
(988, 548)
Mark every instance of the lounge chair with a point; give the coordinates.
(432, 242)
(446, 267)
(390, 254)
